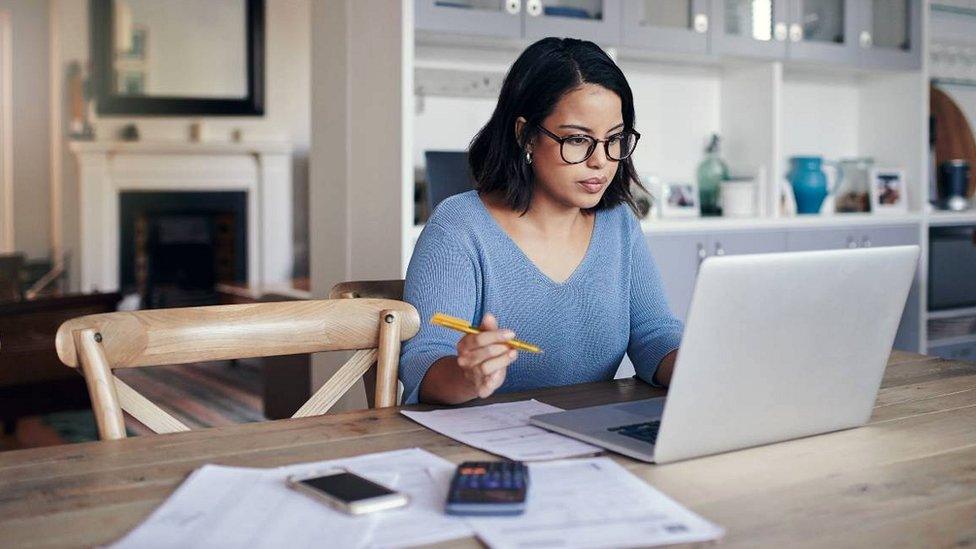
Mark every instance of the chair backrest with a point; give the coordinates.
(379, 289)
(374, 328)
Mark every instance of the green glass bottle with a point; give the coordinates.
(711, 172)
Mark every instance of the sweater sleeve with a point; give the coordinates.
(654, 330)
(441, 277)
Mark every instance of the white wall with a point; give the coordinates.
(677, 110)
(30, 133)
(287, 106)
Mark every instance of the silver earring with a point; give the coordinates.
(528, 157)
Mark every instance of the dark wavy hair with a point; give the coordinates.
(545, 71)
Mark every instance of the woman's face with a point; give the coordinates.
(588, 110)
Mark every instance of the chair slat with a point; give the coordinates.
(337, 385)
(147, 413)
(178, 336)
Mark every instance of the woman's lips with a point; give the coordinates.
(592, 185)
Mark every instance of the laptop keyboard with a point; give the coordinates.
(646, 432)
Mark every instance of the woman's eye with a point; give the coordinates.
(578, 141)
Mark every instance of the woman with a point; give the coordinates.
(547, 247)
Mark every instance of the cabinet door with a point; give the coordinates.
(907, 338)
(673, 26)
(677, 258)
(799, 240)
(824, 30)
(596, 20)
(747, 243)
(501, 18)
(890, 34)
(750, 29)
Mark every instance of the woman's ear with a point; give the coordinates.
(519, 128)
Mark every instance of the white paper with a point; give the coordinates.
(591, 503)
(221, 506)
(504, 429)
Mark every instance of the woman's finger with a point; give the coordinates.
(476, 356)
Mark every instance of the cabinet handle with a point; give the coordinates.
(866, 40)
(796, 32)
(533, 7)
(701, 23)
(702, 254)
(779, 31)
(851, 242)
(513, 6)
(719, 250)
(865, 242)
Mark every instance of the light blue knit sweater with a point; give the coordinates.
(465, 265)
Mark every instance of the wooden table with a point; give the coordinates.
(906, 479)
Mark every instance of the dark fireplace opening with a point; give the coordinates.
(175, 247)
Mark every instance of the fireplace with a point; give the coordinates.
(175, 247)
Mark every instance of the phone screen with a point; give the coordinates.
(347, 487)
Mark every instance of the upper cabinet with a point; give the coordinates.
(596, 20)
(870, 34)
(891, 34)
(749, 28)
(501, 18)
(824, 30)
(673, 26)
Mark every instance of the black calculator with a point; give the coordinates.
(488, 488)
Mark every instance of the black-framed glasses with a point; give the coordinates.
(577, 148)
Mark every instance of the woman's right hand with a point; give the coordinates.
(484, 358)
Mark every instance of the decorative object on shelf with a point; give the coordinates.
(711, 172)
(738, 197)
(852, 190)
(808, 182)
(953, 185)
(79, 126)
(198, 131)
(954, 135)
(129, 132)
(888, 190)
(679, 200)
(787, 200)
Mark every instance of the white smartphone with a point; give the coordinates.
(348, 492)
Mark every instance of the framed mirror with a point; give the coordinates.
(178, 57)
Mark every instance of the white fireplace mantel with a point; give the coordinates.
(262, 170)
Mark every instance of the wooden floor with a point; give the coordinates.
(200, 395)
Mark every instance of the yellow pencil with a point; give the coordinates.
(460, 325)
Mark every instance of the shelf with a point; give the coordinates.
(942, 218)
(956, 10)
(954, 82)
(800, 222)
(952, 313)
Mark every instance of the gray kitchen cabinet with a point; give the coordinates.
(678, 257)
(595, 20)
(890, 36)
(673, 26)
(824, 31)
(907, 338)
(745, 28)
(965, 350)
(498, 18)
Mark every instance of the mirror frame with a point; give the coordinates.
(111, 103)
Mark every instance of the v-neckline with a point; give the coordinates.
(579, 266)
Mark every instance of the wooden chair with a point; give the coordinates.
(374, 328)
(379, 289)
(358, 289)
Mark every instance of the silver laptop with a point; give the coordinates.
(776, 347)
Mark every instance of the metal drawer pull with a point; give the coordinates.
(851, 242)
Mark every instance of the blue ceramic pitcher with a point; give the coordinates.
(809, 183)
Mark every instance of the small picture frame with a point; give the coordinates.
(679, 200)
(888, 190)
